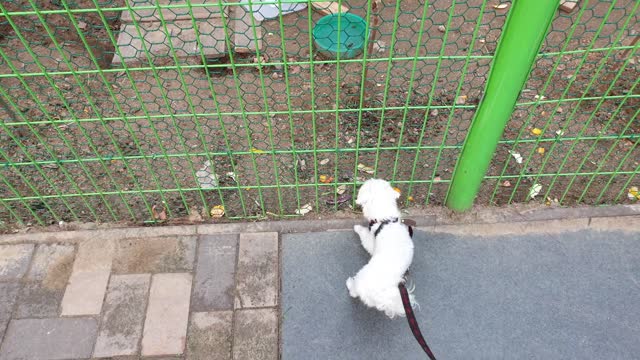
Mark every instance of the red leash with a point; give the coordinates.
(413, 323)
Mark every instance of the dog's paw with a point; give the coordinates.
(359, 229)
(350, 287)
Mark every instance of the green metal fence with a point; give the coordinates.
(137, 110)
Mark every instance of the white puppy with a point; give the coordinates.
(389, 243)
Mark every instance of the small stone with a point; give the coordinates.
(441, 28)
(82, 25)
(461, 100)
(275, 76)
(434, 112)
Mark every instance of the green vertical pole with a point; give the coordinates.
(521, 38)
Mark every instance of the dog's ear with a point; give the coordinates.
(363, 197)
(393, 193)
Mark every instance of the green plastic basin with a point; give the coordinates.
(352, 32)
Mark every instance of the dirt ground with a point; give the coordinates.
(112, 144)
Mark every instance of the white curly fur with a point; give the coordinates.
(376, 284)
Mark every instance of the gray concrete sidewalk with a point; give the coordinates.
(543, 295)
(501, 283)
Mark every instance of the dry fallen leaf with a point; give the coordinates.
(501, 6)
(304, 209)
(461, 100)
(258, 151)
(194, 214)
(324, 161)
(535, 190)
(159, 215)
(366, 169)
(516, 156)
(506, 183)
(634, 193)
(326, 179)
(341, 189)
(536, 131)
(232, 175)
(559, 132)
(540, 150)
(410, 198)
(397, 190)
(217, 211)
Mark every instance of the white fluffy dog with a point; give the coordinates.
(389, 243)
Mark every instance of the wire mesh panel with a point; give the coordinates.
(151, 110)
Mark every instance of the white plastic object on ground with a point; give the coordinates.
(271, 11)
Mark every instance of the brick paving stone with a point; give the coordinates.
(124, 309)
(186, 42)
(14, 260)
(52, 264)
(214, 281)
(89, 278)
(45, 282)
(49, 339)
(257, 272)
(165, 327)
(38, 301)
(155, 255)
(256, 334)
(210, 336)
(8, 294)
(168, 15)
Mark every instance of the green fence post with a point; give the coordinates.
(521, 38)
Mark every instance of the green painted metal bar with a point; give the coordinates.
(527, 23)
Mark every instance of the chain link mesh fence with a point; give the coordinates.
(146, 110)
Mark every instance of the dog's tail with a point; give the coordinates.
(411, 286)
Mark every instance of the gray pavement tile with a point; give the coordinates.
(257, 272)
(49, 339)
(14, 260)
(123, 315)
(210, 336)
(52, 265)
(167, 320)
(8, 294)
(46, 280)
(214, 281)
(256, 334)
(154, 255)
(552, 296)
(38, 301)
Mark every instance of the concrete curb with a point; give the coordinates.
(481, 221)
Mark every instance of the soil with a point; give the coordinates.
(129, 140)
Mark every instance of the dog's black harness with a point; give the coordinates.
(389, 221)
(404, 294)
